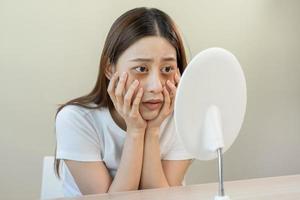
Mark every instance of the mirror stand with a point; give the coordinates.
(221, 194)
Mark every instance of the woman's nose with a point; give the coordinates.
(155, 84)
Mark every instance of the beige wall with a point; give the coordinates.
(49, 53)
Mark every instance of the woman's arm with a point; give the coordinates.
(152, 172)
(175, 170)
(129, 171)
(157, 173)
(94, 178)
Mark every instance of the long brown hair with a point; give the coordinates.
(126, 30)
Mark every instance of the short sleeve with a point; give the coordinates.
(176, 149)
(76, 135)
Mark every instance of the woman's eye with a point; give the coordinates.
(141, 69)
(167, 69)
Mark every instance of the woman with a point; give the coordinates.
(121, 136)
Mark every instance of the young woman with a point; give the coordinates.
(121, 136)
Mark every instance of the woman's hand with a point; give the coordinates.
(127, 107)
(168, 106)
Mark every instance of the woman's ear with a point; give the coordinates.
(109, 71)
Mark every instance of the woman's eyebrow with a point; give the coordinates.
(141, 60)
(171, 58)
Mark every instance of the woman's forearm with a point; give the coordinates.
(129, 171)
(152, 172)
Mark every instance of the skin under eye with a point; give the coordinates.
(167, 69)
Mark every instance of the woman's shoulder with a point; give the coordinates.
(74, 117)
(78, 111)
(70, 110)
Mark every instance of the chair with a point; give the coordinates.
(51, 185)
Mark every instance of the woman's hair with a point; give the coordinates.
(125, 31)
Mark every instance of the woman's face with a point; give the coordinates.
(152, 61)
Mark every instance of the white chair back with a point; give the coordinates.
(51, 185)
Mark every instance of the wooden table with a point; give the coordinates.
(272, 188)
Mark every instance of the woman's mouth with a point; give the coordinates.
(152, 104)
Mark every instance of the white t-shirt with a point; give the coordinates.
(92, 135)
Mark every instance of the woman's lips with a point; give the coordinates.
(152, 105)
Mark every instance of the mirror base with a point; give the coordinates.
(222, 198)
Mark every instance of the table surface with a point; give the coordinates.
(271, 188)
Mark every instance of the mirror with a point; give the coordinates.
(210, 105)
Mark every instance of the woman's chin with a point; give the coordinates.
(149, 115)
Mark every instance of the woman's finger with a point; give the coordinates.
(172, 89)
(166, 106)
(177, 77)
(173, 94)
(129, 94)
(111, 87)
(137, 100)
(120, 88)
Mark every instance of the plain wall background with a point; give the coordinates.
(50, 50)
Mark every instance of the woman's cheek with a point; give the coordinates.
(167, 78)
(132, 77)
